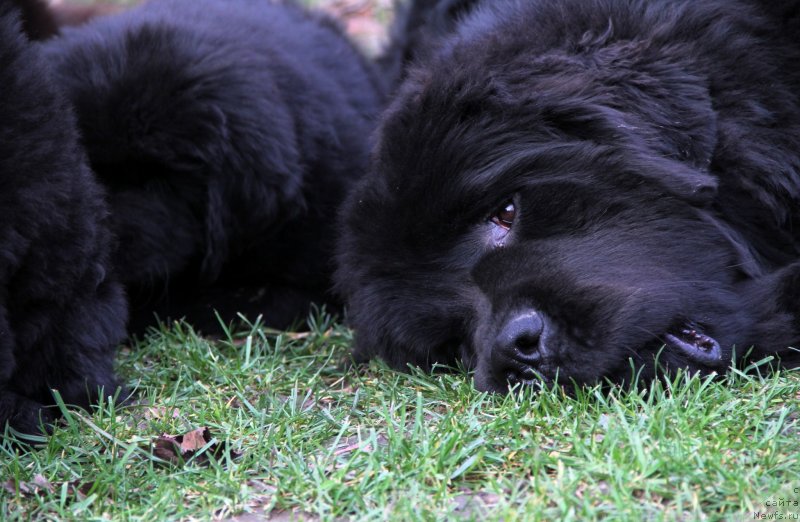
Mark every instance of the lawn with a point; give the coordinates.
(295, 432)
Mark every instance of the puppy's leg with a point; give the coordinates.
(24, 415)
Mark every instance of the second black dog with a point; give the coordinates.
(227, 132)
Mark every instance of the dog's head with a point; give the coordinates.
(547, 217)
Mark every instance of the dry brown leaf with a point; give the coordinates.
(161, 412)
(177, 449)
(195, 440)
(38, 485)
(42, 483)
(10, 486)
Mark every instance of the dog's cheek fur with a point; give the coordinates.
(407, 329)
(402, 312)
(61, 311)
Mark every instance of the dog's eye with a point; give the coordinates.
(505, 216)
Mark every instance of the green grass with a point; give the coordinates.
(319, 440)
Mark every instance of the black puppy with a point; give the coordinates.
(564, 187)
(61, 313)
(227, 132)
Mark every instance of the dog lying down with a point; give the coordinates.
(566, 189)
(226, 133)
(61, 312)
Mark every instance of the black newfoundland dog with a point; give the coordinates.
(61, 313)
(569, 191)
(226, 133)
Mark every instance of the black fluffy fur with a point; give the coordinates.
(417, 27)
(651, 150)
(226, 132)
(61, 313)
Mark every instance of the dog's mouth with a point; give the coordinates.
(695, 344)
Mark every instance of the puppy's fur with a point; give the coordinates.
(417, 27)
(61, 313)
(564, 187)
(227, 132)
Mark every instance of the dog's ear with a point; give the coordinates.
(691, 184)
(652, 149)
(647, 152)
(668, 110)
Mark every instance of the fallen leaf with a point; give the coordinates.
(10, 485)
(160, 412)
(42, 483)
(195, 440)
(36, 486)
(178, 449)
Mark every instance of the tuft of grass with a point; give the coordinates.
(308, 434)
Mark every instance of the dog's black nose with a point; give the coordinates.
(521, 334)
(518, 347)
